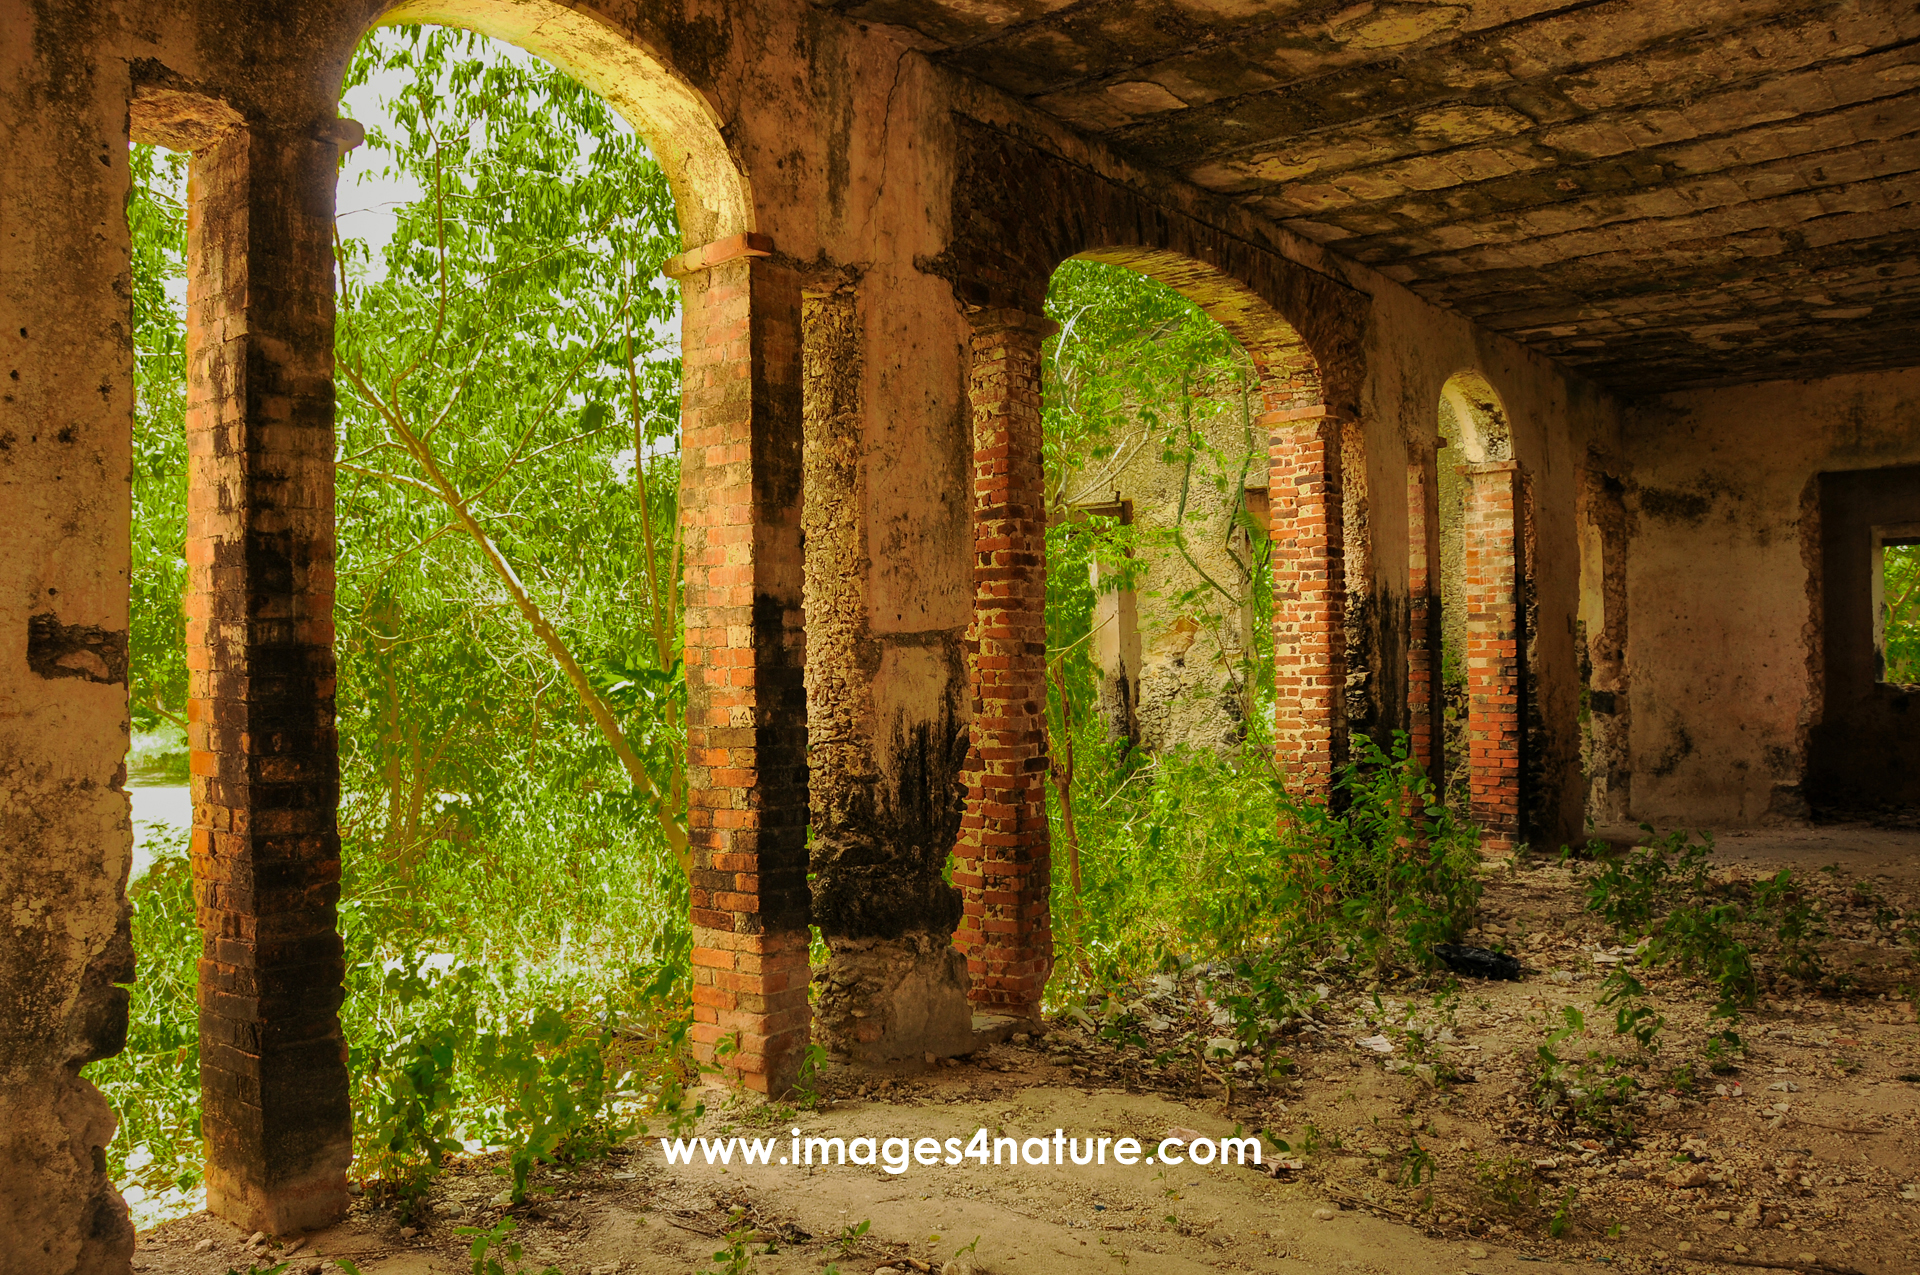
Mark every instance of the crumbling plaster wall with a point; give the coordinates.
(1723, 653)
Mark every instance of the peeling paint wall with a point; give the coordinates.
(1724, 654)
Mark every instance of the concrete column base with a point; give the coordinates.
(285, 1208)
(884, 1000)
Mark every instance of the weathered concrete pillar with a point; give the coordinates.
(1003, 863)
(883, 716)
(260, 553)
(1495, 651)
(1600, 510)
(1425, 694)
(746, 702)
(66, 405)
(1309, 597)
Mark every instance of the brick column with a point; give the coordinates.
(1309, 597)
(746, 705)
(1003, 866)
(1425, 695)
(266, 850)
(1495, 647)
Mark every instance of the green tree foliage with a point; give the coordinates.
(507, 477)
(501, 576)
(1196, 854)
(1136, 371)
(1900, 584)
(157, 216)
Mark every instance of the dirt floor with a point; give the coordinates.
(1804, 1157)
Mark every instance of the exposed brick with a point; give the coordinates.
(1425, 693)
(746, 719)
(1003, 861)
(1495, 666)
(1309, 596)
(265, 849)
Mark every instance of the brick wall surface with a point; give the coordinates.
(1495, 649)
(1309, 596)
(1003, 862)
(265, 775)
(746, 706)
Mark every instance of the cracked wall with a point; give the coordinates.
(1725, 654)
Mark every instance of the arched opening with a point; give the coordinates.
(1479, 542)
(1180, 553)
(1159, 604)
(503, 591)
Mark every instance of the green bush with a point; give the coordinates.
(1196, 856)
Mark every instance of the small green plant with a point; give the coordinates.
(1561, 1223)
(1663, 892)
(1627, 997)
(407, 1129)
(734, 1258)
(1508, 1184)
(560, 1092)
(1724, 1048)
(851, 1235)
(806, 1082)
(1417, 1164)
(1593, 1090)
(491, 1244)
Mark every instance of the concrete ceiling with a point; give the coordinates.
(1659, 192)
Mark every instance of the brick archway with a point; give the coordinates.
(1471, 591)
(1003, 852)
(261, 708)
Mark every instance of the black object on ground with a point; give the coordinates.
(1478, 962)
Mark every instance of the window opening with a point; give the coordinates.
(1895, 574)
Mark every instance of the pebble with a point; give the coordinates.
(1808, 1258)
(408, 1232)
(204, 1246)
(257, 1238)
(1324, 1215)
(1688, 1176)
(1475, 1252)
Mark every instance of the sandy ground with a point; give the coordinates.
(1806, 1157)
